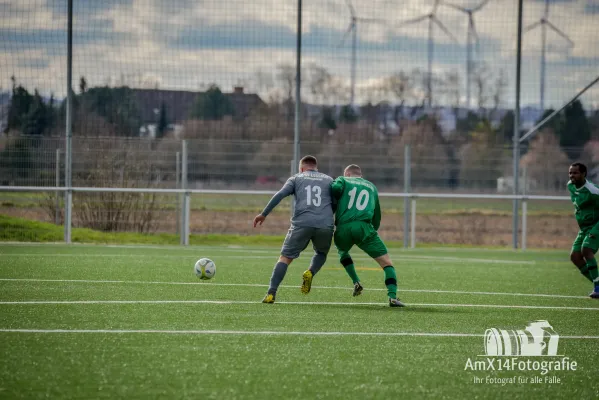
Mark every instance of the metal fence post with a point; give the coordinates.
(68, 207)
(57, 204)
(524, 212)
(406, 201)
(516, 138)
(186, 226)
(184, 205)
(524, 207)
(413, 225)
(178, 186)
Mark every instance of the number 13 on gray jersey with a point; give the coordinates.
(312, 199)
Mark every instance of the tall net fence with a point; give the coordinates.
(376, 77)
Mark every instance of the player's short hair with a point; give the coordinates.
(581, 167)
(309, 160)
(354, 169)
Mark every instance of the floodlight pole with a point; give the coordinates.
(69, 132)
(516, 142)
(298, 81)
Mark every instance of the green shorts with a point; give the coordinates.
(584, 239)
(361, 234)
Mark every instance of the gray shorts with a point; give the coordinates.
(297, 240)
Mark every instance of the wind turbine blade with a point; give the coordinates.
(559, 32)
(481, 5)
(435, 6)
(352, 11)
(414, 20)
(373, 20)
(532, 26)
(444, 29)
(346, 34)
(546, 13)
(456, 7)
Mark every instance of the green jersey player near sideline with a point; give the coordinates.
(357, 220)
(585, 196)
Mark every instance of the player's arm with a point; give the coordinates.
(376, 218)
(337, 187)
(287, 190)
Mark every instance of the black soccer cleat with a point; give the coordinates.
(357, 289)
(594, 295)
(395, 303)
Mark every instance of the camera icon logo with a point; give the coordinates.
(537, 339)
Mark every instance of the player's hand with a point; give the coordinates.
(259, 219)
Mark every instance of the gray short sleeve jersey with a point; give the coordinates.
(312, 199)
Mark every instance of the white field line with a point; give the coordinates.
(208, 284)
(331, 303)
(266, 333)
(252, 248)
(273, 255)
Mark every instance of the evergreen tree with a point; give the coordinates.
(212, 105)
(327, 119)
(576, 130)
(20, 103)
(162, 122)
(348, 115)
(35, 121)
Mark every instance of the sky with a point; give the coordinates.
(189, 44)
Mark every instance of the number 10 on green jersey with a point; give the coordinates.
(357, 200)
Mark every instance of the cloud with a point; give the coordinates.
(183, 43)
(592, 7)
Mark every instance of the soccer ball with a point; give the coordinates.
(205, 268)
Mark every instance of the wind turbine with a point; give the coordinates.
(471, 39)
(353, 29)
(544, 23)
(432, 19)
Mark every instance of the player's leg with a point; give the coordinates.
(577, 258)
(321, 243)
(390, 279)
(375, 248)
(590, 244)
(295, 242)
(344, 242)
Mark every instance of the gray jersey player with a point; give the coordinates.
(312, 221)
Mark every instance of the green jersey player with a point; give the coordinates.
(357, 219)
(585, 196)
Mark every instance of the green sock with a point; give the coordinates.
(592, 270)
(348, 264)
(390, 281)
(585, 271)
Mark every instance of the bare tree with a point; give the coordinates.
(419, 81)
(483, 83)
(286, 78)
(451, 88)
(499, 89)
(318, 81)
(263, 81)
(339, 91)
(399, 85)
(546, 161)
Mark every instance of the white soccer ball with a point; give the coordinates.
(204, 268)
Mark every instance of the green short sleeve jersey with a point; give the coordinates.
(357, 200)
(586, 203)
